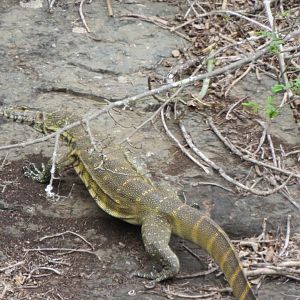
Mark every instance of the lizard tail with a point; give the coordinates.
(192, 225)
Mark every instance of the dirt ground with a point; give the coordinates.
(67, 248)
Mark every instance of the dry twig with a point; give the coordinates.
(67, 232)
(182, 148)
(222, 172)
(12, 266)
(82, 16)
(109, 8)
(244, 157)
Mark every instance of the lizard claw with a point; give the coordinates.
(33, 172)
(149, 275)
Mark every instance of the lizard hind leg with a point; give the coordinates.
(156, 233)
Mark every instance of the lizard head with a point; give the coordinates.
(40, 121)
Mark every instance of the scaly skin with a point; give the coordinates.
(121, 191)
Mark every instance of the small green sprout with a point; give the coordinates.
(252, 105)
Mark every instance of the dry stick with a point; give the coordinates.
(42, 268)
(67, 232)
(272, 270)
(263, 136)
(214, 184)
(244, 157)
(222, 172)
(206, 81)
(224, 4)
(198, 274)
(287, 237)
(187, 296)
(238, 79)
(157, 21)
(12, 266)
(127, 101)
(191, 8)
(5, 289)
(109, 8)
(82, 16)
(272, 150)
(292, 152)
(222, 12)
(51, 3)
(283, 193)
(70, 250)
(182, 148)
(280, 55)
(157, 111)
(232, 107)
(49, 187)
(152, 116)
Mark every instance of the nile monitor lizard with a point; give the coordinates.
(120, 190)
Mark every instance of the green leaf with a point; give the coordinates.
(277, 88)
(270, 109)
(253, 105)
(295, 86)
(285, 13)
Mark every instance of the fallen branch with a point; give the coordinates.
(12, 266)
(67, 232)
(181, 147)
(223, 173)
(127, 101)
(245, 157)
(82, 16)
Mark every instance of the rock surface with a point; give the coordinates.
(49, 61)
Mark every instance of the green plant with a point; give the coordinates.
(252, 105)
(270, 109)
(275, 41)
(294, 85)
(285, 14)
(278, 88)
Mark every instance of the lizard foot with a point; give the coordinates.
(149, 275)
(33, 172)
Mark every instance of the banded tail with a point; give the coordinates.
(190, 224)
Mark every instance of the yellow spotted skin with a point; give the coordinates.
(121, 191)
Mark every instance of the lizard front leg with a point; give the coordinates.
(156, 233)
(43, 174)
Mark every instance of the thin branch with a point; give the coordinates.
(109, 8)
(206, 81)
(12, 266)
(232, 107)
(222, 12)
(182, 148)
(272, 270)
(287, 237)
(263, 136)
(49, 187)
(198, 274)
(67, 250)
(188, 296)
(82, 16)
(244, 157)
(51, 4)
(272, 150)
(238, 79)
(280, 54)
(222, 172)
(127, 101)
(67, 232)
